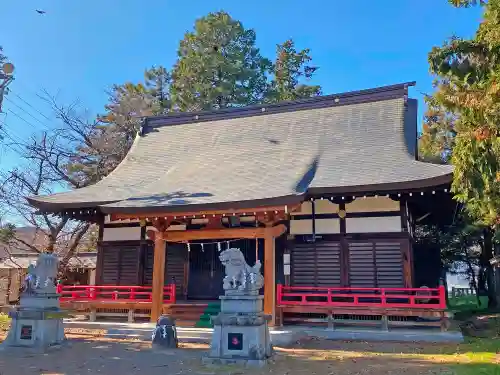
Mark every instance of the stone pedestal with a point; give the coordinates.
(38, 320)
(241, 332)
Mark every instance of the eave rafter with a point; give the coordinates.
(215, 234)
(265, 215)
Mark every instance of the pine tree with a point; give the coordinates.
(289, 68)
(218, 66)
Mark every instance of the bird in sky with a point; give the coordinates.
(40, 11)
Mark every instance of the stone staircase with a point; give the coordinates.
(205, 321)
(187, 314)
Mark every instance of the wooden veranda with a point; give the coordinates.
(267, 228)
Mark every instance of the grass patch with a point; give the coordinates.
(482, 352)
(468, 304)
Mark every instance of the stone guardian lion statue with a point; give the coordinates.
(240, 277)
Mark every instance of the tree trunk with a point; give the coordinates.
(497, 275)
(51, 244)
(443, 281)
(472, 276)
(487, 254)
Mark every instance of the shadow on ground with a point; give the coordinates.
(86, 355)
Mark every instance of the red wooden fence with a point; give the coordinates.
(113, 293)
(433, 298)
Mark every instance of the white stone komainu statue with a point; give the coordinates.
(240, 279)
(241, 332)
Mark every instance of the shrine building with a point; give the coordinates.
(325, 192)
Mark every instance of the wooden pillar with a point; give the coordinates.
(99, 268)
(92, 275)
(269, 276)
(158, 276)
(407, 263)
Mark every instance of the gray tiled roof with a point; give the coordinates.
(343, 148)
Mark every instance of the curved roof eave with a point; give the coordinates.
(110, 207)
(386, 187)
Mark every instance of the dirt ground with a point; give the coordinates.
(89, 352)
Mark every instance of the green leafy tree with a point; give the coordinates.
(465, 249)
(468, 89)
(290, 67)
(466, 3)
(467, 104)
(437, 139)
(218, 66)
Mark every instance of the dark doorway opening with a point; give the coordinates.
(206, 271)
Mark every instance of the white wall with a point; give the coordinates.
(377, 224)
(323, 226)
(122, 234)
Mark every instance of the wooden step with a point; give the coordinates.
(186, 315)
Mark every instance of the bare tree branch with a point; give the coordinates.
(72, 249)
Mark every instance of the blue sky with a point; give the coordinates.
(78, 49)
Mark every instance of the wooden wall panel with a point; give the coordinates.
(358, 261)
(328, 264)
(119, 263)
(316, 264)
(362, 272)
(129, 267)
(148, 264)
(376, 263)
(174, 269)
(303, 269)
(110, 266)
(389, 263)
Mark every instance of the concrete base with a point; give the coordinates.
(241, 304)
(379, 335)
(46, 301)
(284, 336)
(240, 331)
(35, 333)
(255, 342)
(36, 322)
(209, 361)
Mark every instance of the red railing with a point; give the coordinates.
(113, 293)
(433, 298)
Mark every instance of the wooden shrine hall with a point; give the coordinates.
(324, 191)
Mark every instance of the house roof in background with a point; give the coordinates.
(22, 261)
(30, 235)
(264, 155)
(38, 239)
